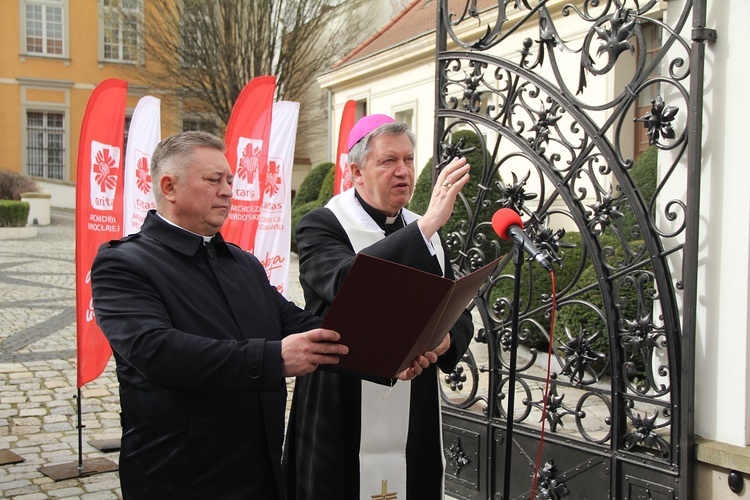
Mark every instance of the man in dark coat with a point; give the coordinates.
(201, 339)
(350, 438)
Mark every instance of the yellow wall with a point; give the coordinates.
(711, 483)
(57, 83)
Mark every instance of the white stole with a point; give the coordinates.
(385, 411)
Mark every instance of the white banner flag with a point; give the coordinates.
(274, 236)
(143, 136)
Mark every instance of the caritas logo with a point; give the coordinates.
(105, 170)
(247, 174)
(144, 195)
(275, 181)
(346, 175)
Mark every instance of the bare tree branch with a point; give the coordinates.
(205, 51)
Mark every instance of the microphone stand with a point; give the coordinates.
(518, 262)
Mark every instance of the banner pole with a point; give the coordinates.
(80, 435)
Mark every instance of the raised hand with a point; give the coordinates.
(449, 183)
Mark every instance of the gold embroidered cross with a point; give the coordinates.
(383, 493)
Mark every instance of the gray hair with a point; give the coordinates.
(358, 153)
(172, 155)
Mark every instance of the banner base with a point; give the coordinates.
(9, 457)
(70, 470)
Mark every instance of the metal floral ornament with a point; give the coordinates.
(659, 121)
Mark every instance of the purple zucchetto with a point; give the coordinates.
(364, 126)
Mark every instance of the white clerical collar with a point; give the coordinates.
(206, 239)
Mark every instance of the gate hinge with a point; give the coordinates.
(704, 35)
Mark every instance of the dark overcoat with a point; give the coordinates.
(196, 331)
(321, 454)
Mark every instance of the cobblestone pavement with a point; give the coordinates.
(38, 415)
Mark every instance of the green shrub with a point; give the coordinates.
(644, 173)
(423, 191)
(13, 213)
(575, 316)
(420, 198)
(578, 318)
(326, 189)
(315, 191)
(584, 321)
(565, 272)
(13, 184)
(309, 190)
(297, 214)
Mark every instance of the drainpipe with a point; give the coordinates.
(330, 123)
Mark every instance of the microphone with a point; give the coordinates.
(509, 226)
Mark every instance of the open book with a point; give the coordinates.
(388, 313)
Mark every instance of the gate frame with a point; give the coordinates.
(685, 393)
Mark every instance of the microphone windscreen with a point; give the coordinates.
(503, 219)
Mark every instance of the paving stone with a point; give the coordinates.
(20, 483)
(32, 412)
(66, 492)
(32, 496)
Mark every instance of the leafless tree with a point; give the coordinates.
(205, 51)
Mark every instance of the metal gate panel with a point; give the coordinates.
(547, 89)
(568, 470)
(467, 448)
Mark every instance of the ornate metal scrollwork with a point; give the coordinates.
(457, 459)
(555, 146)
(549, 485)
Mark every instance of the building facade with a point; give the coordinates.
(56, 51)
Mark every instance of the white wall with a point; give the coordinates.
(63, 193)
(391, 92)
(722, 403)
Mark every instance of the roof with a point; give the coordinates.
(416, 19)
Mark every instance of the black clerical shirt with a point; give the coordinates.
(387, 224)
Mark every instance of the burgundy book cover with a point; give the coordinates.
(388, 313)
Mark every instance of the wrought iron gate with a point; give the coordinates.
(550, 90)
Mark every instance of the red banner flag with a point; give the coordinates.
(98, 211)
(343, 178)
(247, 138)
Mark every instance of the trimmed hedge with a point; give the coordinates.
(315, 191)
(309, 190)
(13, 213)
(326, 189)
(644, 173)
(577, 317)
(423, 191)
(542, 284)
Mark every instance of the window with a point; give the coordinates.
(121, 27)
(45, 144)
(405, 116)
(361, 109)
(202, 125)
(44, 27)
